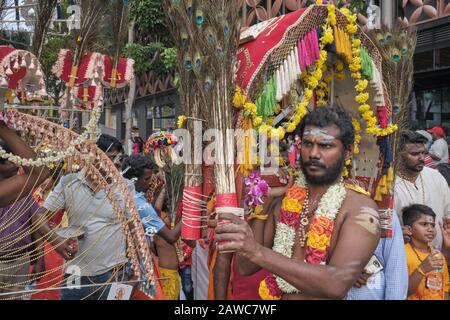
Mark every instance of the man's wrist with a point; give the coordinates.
(257, 256)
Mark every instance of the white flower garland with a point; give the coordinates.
(329, 206)
(91, 129)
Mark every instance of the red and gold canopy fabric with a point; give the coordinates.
(253, 55)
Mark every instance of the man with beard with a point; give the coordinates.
(417, 184)
(321, 245)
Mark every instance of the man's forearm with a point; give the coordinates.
(222, 271)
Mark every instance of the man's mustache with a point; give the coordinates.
(314, 163)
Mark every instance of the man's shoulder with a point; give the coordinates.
(357, 199)
(432, 173)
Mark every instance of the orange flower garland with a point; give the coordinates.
(318, 237)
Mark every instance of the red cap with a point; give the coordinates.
(438, 130)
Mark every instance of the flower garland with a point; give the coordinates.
(91, 131)
(318, 236)
(314, 74)
(362, 96)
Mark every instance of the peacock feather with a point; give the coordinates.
(396, 46)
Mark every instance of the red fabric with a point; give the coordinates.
(121, 71)
(257, 50)
(82, 68)
(191, 229)
(247, 287)
(53, 276)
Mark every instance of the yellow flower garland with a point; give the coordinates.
(362, 96)
(312, 76)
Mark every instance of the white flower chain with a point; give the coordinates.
(329, 207)
(91, 129)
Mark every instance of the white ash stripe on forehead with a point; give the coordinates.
(318, 132)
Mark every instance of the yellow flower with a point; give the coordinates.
(362, 97)
(339, 65)
(257, 121)
(364, 108)
(238, 99)
(320, 93)
(291, 127)
(181, 120)
(250, 107)
(356, 75)
(352, 28)
(280, 133)
(327, 37)
(345, 11)
(356, 43)
(316, 241)
(327, 78)
(317, 74)
(323, 55)
(362, 84)
(308, 93)
(352, 18)
(264, 292)
(291, 205)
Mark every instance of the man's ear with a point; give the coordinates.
(408, 230)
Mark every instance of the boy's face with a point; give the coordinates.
(423, 229)
(143, 182)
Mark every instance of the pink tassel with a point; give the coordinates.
(16, 66)
(9, 72)
(3, 83)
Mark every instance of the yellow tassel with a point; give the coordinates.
(378, 196)
(73, 76)
(10, 96)
(382, 185)
(85, 94)
(113, 81)
(390, 174)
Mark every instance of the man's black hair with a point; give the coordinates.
(413, 212)
(408, 136)
(135, 166)
(6, 148)
(108, 143)
(326, 116)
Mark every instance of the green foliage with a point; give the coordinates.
(48, 58)
(151, 57)
(150, 19)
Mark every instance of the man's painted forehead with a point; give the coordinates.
(318, 133)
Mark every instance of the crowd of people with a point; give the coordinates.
(336, 250)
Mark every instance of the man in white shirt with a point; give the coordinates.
(439, 148)
(415, 183)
